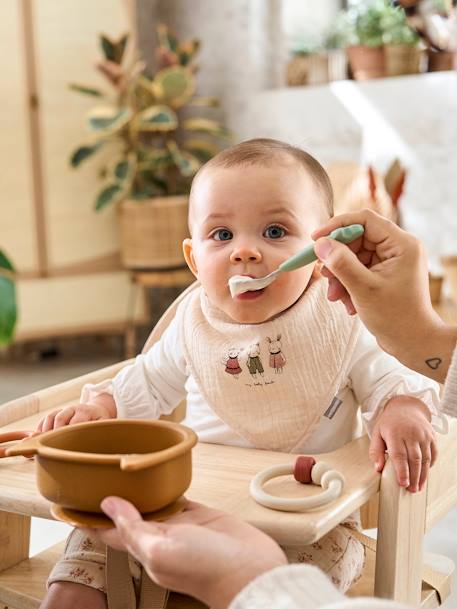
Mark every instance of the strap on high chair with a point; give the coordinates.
(120, 591)
(431, 577)
(152, 595)
(120, 587)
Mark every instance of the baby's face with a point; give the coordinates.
(246, 221)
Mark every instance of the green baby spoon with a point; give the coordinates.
(241, 283)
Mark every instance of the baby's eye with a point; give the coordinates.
(274, 232)
(222, 234)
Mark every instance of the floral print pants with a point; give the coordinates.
(339, 554)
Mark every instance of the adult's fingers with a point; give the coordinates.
(377, 228)
(131, 528)
(344, 265)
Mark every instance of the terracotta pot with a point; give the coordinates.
(366, 62)
(152, 232)
(146, 462)
(449, 264)
(403, 59)
(439, 61)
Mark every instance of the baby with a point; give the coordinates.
(279, 368)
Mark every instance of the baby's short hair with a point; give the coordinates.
(264, 151)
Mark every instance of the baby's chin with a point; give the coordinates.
(249, 314)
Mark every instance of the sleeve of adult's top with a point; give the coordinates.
(301, 587)
(449, 404)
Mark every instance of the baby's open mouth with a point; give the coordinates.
(251, 294)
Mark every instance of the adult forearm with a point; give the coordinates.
(429, 350)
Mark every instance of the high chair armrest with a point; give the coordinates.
(23, 409)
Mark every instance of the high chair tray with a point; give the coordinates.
(221, 477)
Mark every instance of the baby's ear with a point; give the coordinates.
(188, 251)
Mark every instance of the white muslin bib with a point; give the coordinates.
(270, 382)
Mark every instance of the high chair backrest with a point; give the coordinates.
(180, 412)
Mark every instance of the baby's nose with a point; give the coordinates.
(245, 254)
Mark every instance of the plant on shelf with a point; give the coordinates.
(368, 29)
(156, 144)
(8, 306)
(403, 55)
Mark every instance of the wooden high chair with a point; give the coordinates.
(395, 565)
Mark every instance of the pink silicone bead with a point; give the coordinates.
(302, 469)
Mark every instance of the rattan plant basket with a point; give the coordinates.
(152, 232)
(403, 59)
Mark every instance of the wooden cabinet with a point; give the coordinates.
(70, 278)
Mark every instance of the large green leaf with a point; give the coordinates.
(166, 39)
(174, 86)
(108, 119)
(121, 170)
(202, 149)
(187, 163)
(152, 158)
(206, 125)
(110, 194)
(83, 153)
(157, 118)
(113, 50)
(85, 89)
(8, 306)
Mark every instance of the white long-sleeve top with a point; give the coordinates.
(158, 380)
(301, 587)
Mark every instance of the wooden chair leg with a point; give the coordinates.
(14, 539)
(401, 526)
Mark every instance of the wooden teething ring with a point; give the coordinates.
(305, 471)
(11, 436)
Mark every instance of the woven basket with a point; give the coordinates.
(152, 232)
(403, 59)
(316, 69)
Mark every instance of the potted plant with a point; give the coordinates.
(403, 55)
(8, 307)
(363, 24)
(436, 23)
(317, 64)
(155, 146)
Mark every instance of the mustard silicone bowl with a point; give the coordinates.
(147, 462)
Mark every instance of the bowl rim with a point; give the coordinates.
(188, 440)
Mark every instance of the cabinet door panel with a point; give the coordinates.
(67, 50)
(17, 218)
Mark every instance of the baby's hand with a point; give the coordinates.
(103, 407)
(404, 430)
